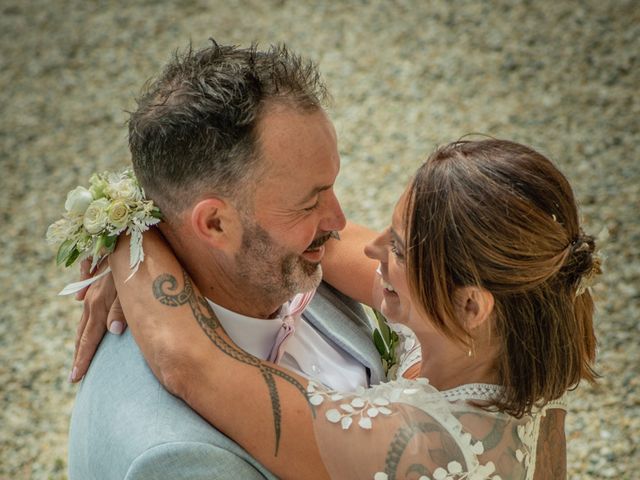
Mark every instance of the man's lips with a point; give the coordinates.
(314, 255)
(315, 251)
(318, 242)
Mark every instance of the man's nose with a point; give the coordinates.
(334, 219)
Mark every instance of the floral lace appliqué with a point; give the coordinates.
(363, 407)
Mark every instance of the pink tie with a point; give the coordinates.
(296, 307)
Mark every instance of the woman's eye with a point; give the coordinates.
(395, 250)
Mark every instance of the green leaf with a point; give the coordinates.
(379, 343)
(387, 333)
(64, 251)
(110, 242)
(72, 257)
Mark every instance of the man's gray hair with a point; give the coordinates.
(194, 131)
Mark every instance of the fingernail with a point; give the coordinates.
(72, 375)
(116, 327)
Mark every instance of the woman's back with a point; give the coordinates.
(407, 428)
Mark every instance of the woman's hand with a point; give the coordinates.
(101, 312)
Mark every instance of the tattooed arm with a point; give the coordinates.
(262, 407)
(243, 396)
(346, 267)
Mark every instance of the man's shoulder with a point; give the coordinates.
(192, 461)
(332, 305)
(123, 418)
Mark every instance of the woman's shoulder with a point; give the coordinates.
(446, 431)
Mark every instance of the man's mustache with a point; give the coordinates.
(321, 240)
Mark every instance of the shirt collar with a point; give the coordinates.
(253, 335)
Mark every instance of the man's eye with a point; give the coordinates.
(312, 207)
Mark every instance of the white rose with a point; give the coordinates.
(59, 231)
(118, 214)
(125, 189)
(96, 216)
(78, 200)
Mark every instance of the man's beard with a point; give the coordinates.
(271, 271)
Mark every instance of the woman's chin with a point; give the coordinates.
(393, 312)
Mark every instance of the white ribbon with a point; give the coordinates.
(77, 286)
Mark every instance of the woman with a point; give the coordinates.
(484, 259)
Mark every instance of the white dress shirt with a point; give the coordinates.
(307, 352)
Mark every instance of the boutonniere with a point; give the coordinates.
(94, 217)
(386, 341)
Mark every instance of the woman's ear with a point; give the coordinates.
(215, 221)
(476, 305)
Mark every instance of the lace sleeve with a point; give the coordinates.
(407, 429)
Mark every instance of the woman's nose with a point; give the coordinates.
(377, 249)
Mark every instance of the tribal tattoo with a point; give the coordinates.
(400, 442)
(165, 284)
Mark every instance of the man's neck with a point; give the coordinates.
(233, 295)
(214, 282)
(213, 275)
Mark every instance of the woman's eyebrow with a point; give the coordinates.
(396, 237)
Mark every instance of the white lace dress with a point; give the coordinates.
(406, 429)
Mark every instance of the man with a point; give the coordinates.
(235, 148)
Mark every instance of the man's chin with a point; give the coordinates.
(310, 276)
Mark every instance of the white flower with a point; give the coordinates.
(365, 422)
(78, 200)
(346, 422)
(333, 415)
(454, 467)
(125, 189)
(440, 473)
(96, 216)
(98, 185)
(119, 214)
(61, 230)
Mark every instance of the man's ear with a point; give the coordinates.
(215, 221)
(476, 305)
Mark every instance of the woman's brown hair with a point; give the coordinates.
(500, 216)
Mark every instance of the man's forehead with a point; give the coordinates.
(298, 147)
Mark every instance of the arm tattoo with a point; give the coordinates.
(400, 442)
(210, 324)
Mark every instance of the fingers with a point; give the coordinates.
(97, 306)
(85, 265)
(115, 320)
(87, 344)
(79, 332)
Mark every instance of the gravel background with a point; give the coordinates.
(561, 76)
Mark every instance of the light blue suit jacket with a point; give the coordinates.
(125, 425)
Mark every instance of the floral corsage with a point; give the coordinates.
(113, 204)
(386, 341)
(396, 343)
